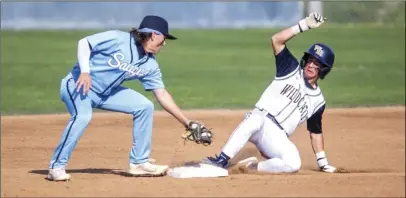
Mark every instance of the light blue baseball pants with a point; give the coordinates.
(81, 107)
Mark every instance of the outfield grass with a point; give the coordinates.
(213, 68)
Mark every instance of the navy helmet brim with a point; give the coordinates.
(170, 37)
(319, 58)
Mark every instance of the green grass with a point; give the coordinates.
(213, 68)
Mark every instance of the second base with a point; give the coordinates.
(197, 170)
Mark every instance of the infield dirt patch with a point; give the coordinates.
(369, 143)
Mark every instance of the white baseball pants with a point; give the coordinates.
(270, 140)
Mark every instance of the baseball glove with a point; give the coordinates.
(198, 133)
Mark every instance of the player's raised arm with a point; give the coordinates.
(279, 39)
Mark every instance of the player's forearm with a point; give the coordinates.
(279, 39)
(166, 101)
(318, 148)
(84, 55)
(317, 141)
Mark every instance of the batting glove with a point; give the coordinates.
(314, 20)
(328, 169)
(323, 163)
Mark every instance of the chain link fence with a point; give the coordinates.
(377, 12)
(83, 15)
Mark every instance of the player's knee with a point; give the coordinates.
(146, 107)
(84, 118)
(294, 164)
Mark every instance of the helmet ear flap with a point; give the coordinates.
(323, 72)
(302, 63)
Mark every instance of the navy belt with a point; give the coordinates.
(268, 115)
(274, 120)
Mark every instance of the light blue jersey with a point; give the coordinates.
(115, 57)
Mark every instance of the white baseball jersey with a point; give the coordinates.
(290, 99)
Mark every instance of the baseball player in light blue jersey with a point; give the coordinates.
(293, 97)
(105, 61)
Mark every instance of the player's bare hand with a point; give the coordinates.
(84, 81)
(314, 20)
(328, 169)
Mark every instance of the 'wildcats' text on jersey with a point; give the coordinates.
(290, 98)
(297, 98)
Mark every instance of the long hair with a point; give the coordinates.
(140, 37)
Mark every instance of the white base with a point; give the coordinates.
(197, 170)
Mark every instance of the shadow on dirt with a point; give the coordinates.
(352, 170)
(91, 171)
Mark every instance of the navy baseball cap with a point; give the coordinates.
(155, 24)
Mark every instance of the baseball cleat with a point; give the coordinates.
(147, 170)
(220, 161)
(58, 174)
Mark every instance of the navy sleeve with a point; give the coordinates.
(314, 122)
(285, 63)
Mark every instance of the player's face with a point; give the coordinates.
(312, 68)
(155, 43)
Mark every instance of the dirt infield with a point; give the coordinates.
(367, 142)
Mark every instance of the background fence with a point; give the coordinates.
(83, 15)
(365, 12)
(129, 14)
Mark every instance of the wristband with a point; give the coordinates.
(300, 27)
(321, 159)
(296, 29)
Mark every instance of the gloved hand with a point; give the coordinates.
(328, 169)
(198, 133)
(314, 20)
(323, 163)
